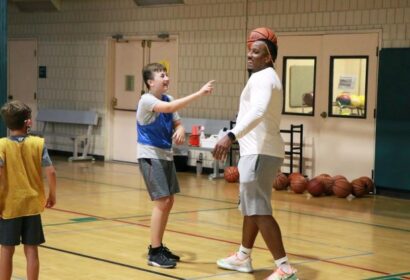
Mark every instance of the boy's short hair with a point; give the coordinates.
(149, 69)
(15, 113)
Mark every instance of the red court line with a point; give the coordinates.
(221, 240)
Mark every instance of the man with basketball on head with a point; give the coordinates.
(261, 154)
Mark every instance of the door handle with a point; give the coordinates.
(114, 102)
(323, 115)
(10, 97)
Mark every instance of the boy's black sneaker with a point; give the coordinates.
(157, 257)
(169, 254)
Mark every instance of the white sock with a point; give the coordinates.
(284, 265)
(244, 253)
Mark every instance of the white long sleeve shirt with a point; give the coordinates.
(258, 122)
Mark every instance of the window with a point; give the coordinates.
(299, 85)
(348, 86)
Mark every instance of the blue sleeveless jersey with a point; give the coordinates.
(159, 132)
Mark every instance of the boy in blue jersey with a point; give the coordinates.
(22, 194)
(158, 126)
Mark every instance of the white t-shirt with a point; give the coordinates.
(260, 109)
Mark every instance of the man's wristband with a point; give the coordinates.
(231, 136)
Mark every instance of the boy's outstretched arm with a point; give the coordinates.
(175, 105)
(52, 184)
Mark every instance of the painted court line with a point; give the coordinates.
(111, 262)
(227, 241)
(235, 203)
(392, 276)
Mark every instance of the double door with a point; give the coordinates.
(330, 84)
(129, 57)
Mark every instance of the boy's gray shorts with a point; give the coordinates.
(256, 175)
(160, 177)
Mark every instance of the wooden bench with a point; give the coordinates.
(50, 117)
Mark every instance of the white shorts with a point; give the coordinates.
(256, 175)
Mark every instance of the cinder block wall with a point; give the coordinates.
(211, 34)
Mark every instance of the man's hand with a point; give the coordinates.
(222, 148)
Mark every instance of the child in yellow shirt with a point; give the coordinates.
(22, 194)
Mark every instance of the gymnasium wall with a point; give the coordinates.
(211, 34)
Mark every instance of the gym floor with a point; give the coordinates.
(99, 229)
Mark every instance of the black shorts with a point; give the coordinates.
(27, 230)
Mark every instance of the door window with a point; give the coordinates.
(299, 85)
(348, 86)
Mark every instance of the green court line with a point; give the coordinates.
(391, 276)
(75, 221)
(94, 219)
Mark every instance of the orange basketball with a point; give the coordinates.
(315, 187)
(298, 183)
(261, 33)
(281, 182)
(359, 188)
(339, 177)
(231, 174)
(291, 175)
(327, 182)
(369, 183)
(341, 187)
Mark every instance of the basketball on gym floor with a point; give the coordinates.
(291, 175)
(359, 188)
(281, 182)
(341, 187)
(231, 174)
(369, 183)
(260, 34)
(337, 177)
(315, 187)
(327, 182)
(298, 183)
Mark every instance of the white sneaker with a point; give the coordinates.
(234, 263)
(279, 274)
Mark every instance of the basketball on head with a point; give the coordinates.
(261, 33)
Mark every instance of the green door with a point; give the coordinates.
(392, 166)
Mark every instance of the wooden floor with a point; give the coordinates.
(99, 229)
